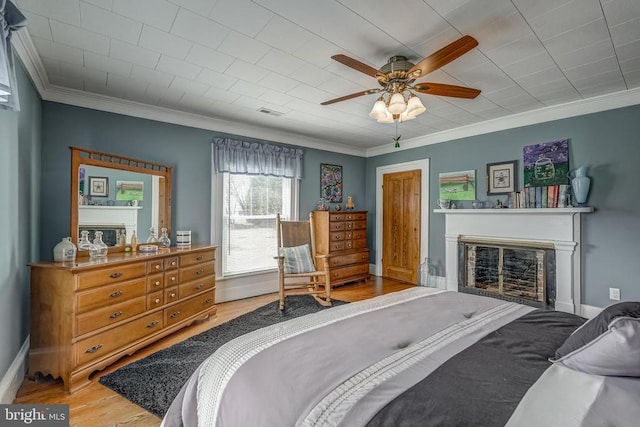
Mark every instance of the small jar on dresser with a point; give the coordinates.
(342, 237)
(87, 314)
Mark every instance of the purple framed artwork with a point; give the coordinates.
(331, 182)
(546, 164)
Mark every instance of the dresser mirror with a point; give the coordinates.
(118, 195)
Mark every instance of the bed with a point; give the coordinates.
(423, 357)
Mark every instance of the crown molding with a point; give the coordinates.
(547, 114)
(28, 54)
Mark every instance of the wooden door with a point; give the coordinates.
(401, 225)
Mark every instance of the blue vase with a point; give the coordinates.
(580, 184)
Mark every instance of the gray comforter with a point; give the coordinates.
(341, 367)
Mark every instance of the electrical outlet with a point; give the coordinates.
(614, 294)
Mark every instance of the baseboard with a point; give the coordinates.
(589, 311)
(12, 380)
(230, 290)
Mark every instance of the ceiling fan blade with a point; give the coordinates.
(353, 95)
(446, 90)
(442, 57)
(356, 65)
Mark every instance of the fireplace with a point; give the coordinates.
(554, 229)
(512, 271)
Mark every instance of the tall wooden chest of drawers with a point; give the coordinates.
(87, 314)
(342, 236)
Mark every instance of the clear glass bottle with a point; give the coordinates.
(153, 238)
(84, 244)
(164, 240)
(427, 274)
(98, 249)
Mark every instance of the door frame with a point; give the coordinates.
(423, 165)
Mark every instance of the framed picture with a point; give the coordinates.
(458, 185)
(331, 182)
(501, 177)
(546, 164)
(98, 186)
(129, 190)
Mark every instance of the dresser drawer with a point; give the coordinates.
(185, 309)
(337, 217)
(155, 266)
(190, 288)
(336, 246)
(102, 344)
(96, 319)
(155, 282)
(356, 216)
(336, 226)
(171, 263)
(109, 294)
(171, 294)
(355, 258)
(104, 276)
(345, 272)
(196, 272)
(155, 300)
(171, 278)
(337, 236)
(358, 244)
(195, 258)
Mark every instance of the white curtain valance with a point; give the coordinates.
(10, 20)
(254, 158)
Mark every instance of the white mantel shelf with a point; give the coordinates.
(559, 227)
(109, 207)
(541, 211)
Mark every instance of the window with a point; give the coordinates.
(249, 207)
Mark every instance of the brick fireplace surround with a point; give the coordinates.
(559, 227)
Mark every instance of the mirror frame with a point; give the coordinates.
(82, 156)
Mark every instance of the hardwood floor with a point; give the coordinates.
(99, 406)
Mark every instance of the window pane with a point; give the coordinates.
(251, 203)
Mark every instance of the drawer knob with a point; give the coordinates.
(116, 315)
(152, 324)
(157, 300)
(173, 263)
(199, 272)
(198, 287)
(175, 314)
(199, 258)
(173, 278)
(208, 301)
(93, 349)
(156, 283)
(172, 295)
(115, 294)
(157, 267)
(115, 275)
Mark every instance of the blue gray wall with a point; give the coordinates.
(188, 150)
(607, 141)
(19, 209)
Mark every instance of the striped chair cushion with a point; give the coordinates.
(297, 259)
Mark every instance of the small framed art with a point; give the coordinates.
(331, 182)
(98, 186)
(501, 177)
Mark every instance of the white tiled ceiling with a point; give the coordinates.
(227, 59)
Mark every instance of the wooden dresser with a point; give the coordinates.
(342, 236)
(87, 314)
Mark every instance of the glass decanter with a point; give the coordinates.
(84, 244)
(98, 249)
(164, 240)
(153, 238)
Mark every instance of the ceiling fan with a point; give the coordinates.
(398, 76)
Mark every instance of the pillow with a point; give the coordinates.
(297, 259)
(608, 344)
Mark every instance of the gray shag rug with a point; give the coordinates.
(153, 382)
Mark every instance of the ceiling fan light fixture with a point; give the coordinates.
(415, 106)
(387, 118)
(397, 104)
(379, 110)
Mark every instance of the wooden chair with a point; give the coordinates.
(298, 269)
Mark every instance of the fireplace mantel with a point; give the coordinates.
(557, 226)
